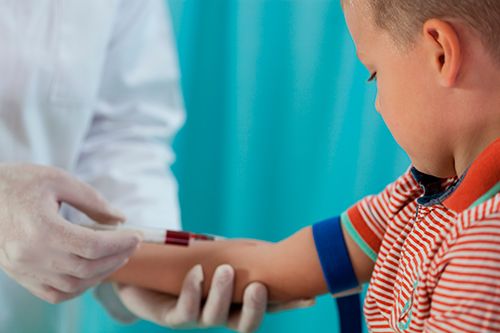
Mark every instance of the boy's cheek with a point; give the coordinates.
(395, 113)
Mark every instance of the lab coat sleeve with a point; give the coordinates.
(127, 153)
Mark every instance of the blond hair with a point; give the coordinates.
(404, 18)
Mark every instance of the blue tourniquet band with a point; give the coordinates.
(333, 255)
(338, 272)
(349, 308)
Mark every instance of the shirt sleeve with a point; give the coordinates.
(466, 288)
(127, 152)
(366, 222)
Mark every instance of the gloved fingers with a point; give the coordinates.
(106, 293)
(66, 273)
(24, 254)
(146, 304)
(298, 304)
(82, 268)
(91, 244)
(216, 309)
(72, 285)
(250, 316)
(67, 284)
(53, 295)
(38, 287)
(164, 309)
(187, 309)
(84, 198)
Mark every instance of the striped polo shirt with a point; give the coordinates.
(436, 247)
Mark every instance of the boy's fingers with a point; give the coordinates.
(216, 309)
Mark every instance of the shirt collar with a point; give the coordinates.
(479, 182)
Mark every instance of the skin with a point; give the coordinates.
(252, 261)
(440, 98)
(290, 269)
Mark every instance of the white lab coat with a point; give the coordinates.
(91, 87)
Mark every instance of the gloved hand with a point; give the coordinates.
(186, 311)
(52, 258)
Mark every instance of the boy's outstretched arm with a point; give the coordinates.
(361, 263)
(290, 269)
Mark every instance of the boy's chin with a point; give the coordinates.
(433, 170)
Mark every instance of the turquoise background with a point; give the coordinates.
(281, 130)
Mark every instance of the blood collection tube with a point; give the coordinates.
(158, 235)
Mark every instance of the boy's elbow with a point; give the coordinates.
(289, 269)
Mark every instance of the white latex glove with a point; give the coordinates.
(187, 311)
(52, 258)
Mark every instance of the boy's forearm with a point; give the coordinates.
(290, 269)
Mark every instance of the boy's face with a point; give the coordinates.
(408, 96)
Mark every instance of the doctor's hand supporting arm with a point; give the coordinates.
(185, 310)
(52, 258)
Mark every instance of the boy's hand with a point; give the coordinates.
(186, 311)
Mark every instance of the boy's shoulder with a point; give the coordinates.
(479, 224)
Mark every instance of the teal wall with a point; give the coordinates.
(281, 130)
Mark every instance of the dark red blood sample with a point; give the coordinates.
(177, 238)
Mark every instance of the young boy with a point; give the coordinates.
(430, 242)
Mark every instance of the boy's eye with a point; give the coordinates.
(373, 77)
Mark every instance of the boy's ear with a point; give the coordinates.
(445, 50)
